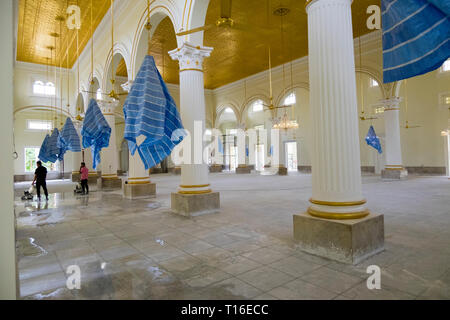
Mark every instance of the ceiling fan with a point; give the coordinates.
(224, 21)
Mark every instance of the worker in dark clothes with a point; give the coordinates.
(40, 176)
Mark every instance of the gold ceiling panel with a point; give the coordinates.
(243, 51)
(122, 69)
(37, 22)
(164, 40)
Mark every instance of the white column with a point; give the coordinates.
(392, 131)
(336, 166)
(109, 157)
(194, 177)
(8, 275)
(137, 174)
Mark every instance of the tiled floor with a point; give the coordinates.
(140, 250)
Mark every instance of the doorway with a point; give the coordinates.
(291, 156)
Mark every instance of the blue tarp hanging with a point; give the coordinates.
(220, 145)
(95, 132)
(53, 152)
(416, 37)
(69, 139)
(150, 111)
(43, 151)
(372, 140)
(246, 151)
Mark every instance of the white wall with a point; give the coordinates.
(8, 269)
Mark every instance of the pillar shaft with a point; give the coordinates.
(194, 176)
(392, 132)
(109, 157)
(336, 170)
(137, 174)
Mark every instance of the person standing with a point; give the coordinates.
(84, 171)
(40, 176)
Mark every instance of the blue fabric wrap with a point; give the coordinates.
(95, 132)
(372, 140)
(53, 151)
(43, 152)
(150, 111)
(69, 139)
(416, 37)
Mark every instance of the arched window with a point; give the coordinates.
(229, 110)
(38, 88)
(373, 83)
(50, 89)
(290, 99)
(257, 106)
(99, 94)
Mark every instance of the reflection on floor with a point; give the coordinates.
(140, 250)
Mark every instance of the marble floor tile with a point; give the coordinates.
(265, 278)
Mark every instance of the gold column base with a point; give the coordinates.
(338, 216)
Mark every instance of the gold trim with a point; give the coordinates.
(195, 192)
(143, 178)
(197, 186)
(338, 204)
(138, 182)
(109, 114)
(191, 69)
(338, 216)
(391, 109)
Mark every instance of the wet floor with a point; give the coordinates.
(140, 250)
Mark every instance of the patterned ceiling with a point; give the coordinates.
(238, 52)
(37, 22)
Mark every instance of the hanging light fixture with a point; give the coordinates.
(284, 123)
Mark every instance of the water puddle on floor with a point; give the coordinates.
(28, 248)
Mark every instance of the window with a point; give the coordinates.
(47, 89)
(446, 66)
(41, 125)
(231, 132)
(32, 157)
(373, 83)
(257, 106)
(99, 94)
(229, 110)
(290, 99)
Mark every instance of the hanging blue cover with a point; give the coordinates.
(69, 139)
(150, 111)
(96, 132)
(53, 152)
(246, 151)
(43, 152)
(416, 37)
(220, 145)
(372, 140)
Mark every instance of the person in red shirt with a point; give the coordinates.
(84, 178)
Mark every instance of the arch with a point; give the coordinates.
(158, 11)
(222, 108)
(253, 98)
(43, 107)
(289, 89)
(194, 15)
(376, 76)
(112, 62)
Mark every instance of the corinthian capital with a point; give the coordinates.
(190, 57)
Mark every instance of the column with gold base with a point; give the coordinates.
(278, 151)
(109, 156)
(194, 196)
(138, 184)
(337, 225)
(394, 169)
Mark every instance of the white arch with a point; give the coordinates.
(47, 108)
(222, 108)
(158, 11)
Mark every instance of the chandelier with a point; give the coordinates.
(284, 123)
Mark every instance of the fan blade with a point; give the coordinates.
(199, 29)
(225, 9)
